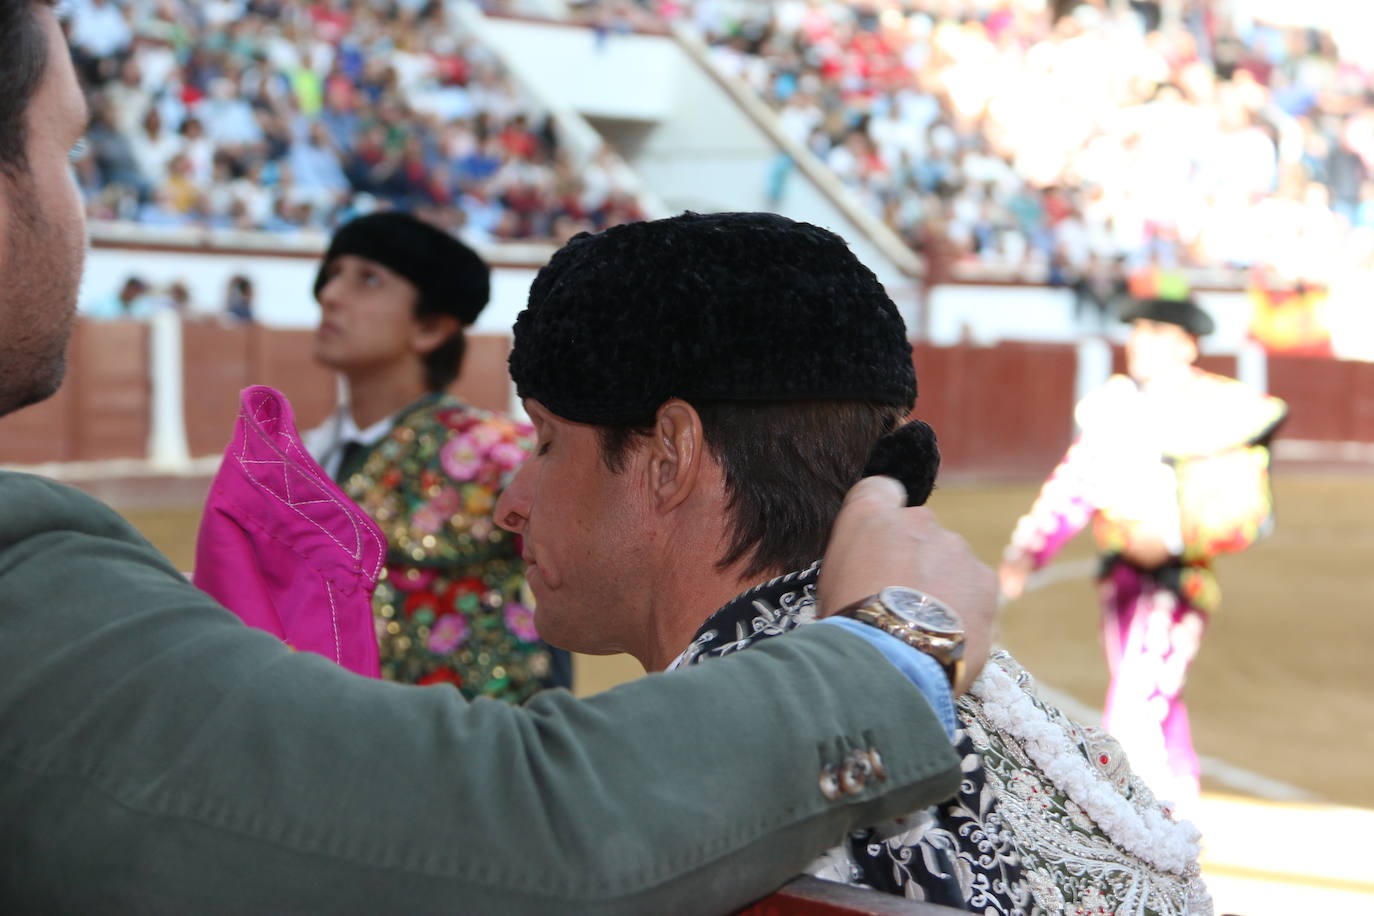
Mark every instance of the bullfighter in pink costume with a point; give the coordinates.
(1171, 468)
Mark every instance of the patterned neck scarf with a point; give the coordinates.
(769, 609)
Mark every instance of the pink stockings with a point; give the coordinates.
(1151, 637)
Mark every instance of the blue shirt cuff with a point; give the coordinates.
(922, 670)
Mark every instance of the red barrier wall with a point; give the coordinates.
(217, 365)
(43, 432)
(998, 411)
(101, 410)
(1003, 410)
(221, 361)
(1328, 400)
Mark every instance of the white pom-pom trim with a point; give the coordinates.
(1168, 845)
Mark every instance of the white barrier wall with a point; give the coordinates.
(988, 314)
(282, 285)
(958, 312)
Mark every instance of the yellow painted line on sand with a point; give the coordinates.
(1290, 878)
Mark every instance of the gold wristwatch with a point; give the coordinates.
(920, 621)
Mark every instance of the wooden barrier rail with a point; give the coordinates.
(103, 410)
(100, 412)
(807, 896)
(1003, 410)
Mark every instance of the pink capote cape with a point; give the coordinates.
(283, 547)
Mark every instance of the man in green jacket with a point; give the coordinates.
(156, 756)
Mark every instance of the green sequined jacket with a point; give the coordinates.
(452, 605)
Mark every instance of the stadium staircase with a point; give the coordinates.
(696, 138)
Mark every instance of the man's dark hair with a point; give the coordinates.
(23, 59)
(787, 466)
(444, 363)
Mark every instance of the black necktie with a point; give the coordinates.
(354, 456)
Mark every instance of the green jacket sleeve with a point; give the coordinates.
(157, 756)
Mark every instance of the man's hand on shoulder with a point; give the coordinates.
(878, 542)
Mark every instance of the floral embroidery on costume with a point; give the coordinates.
(452, 605)
(1090, 835)
(1049, 819)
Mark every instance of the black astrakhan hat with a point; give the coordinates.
(450, 275)
(1185, 313)
(724, 306)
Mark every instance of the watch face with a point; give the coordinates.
(926, 612)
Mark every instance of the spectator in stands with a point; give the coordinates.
(131, 300)
(396, 296)
(112, 156)
(238, 300)
(198, 150)
(253, 195)
(182, 188)
(177, 297)
(230, 119)
(316, 168)
(125, 98)
(153, 148)
(99, 28)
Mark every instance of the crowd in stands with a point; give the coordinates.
(1101, 143)
(984, 131)
(139, 299)
(294, 115)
